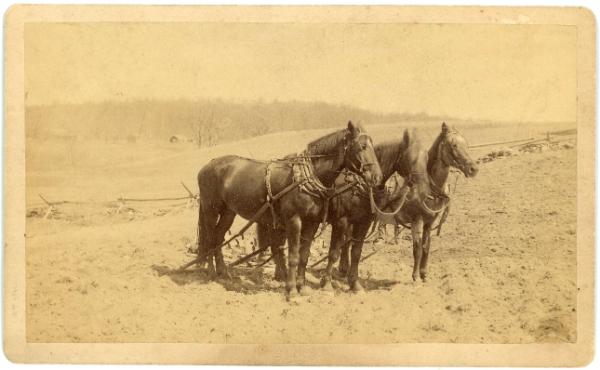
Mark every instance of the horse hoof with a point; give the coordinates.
(415, 277)
(424, 277)
(305, 291)
(326, 286)
(292, 296)
(357, 288)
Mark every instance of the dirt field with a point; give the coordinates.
(503, 270)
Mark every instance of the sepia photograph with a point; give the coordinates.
(252, 177)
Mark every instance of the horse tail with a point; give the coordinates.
(198, 227)
(200, 242)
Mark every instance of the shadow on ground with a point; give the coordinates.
(247, 280)
(251, 280)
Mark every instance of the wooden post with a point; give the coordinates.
(192, 197)
(50, 209)
(188, 190)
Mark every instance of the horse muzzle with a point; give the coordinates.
(373, 178)
(471, 169)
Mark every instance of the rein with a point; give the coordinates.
(390, 217)
(438, 194)
(435, 212)
(387, 217)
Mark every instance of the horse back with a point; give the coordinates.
(240, 183)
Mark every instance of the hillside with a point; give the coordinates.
(205, 122)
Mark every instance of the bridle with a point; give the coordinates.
(438, 191)
(353, 143)
(450, 152)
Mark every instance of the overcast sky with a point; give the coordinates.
(508, 73)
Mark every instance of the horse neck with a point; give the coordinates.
(326, 156)
(387, 155)
(437, 169)
(326, 170)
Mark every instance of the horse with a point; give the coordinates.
(352, 207)
(353, 214)
(392, 185)
(233, 185)
(449, 150)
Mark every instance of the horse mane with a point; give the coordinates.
(433, 151)
(328, 143)
(387, 153)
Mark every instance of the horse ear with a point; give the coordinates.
(444, 128)
(406, 138)
(353, 129)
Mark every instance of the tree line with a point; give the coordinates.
(204, 122)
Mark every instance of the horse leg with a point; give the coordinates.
(263, 237)
(263, 240)
(417, 230)
(277, 243)
(201, 240)
(345, 257)
(337, 238)
(208, 221)
(293, 226)
(224, 224)
(359, 231)
(426, 242)
(397, 233)
(309, 229)
(381, 233)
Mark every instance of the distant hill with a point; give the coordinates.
(205, 122)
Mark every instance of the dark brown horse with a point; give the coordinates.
(450, 149)
(350, 212)
(233, 185)
(352, 215)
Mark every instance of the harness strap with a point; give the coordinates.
(270, 194)
(388, 217)
(445, 202)
(250, 222)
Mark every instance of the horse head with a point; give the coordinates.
(453, 151)
(412, 163)
(359, 155)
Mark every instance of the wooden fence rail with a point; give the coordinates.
(51, 205)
